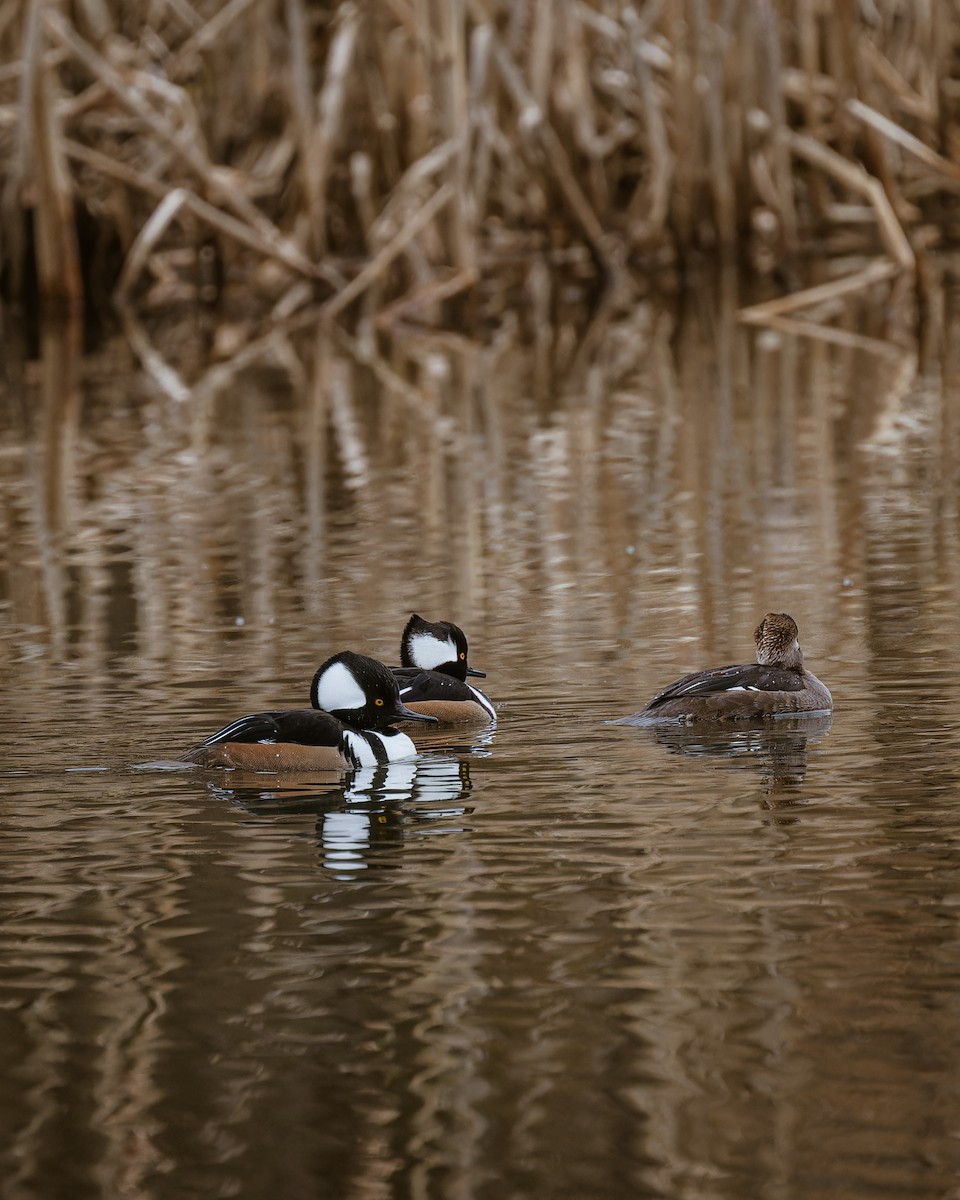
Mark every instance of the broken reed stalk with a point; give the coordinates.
(386, 151)
(853, 176)
(873, 273)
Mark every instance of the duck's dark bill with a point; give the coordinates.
(407, 714)
(474, 671)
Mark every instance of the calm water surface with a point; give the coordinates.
(559, 958)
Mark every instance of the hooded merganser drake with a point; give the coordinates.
(433, 674)
(355, 701)
(776, 685)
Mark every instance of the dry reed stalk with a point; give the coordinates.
(659, 126)
(12, 213)
(651, 198)
(365, 354)
(540, 59)
(595, 133)
(166, 377)
(361, 186)
(186, 14)
(800, 327)
(376, 267)
(772, 101)
(482, 130)
(320, 145)
(533, 125)
(713, 101)
(222, 222)
(186, 145)
(808, 45)
(910, 103)
(207, 34)
(11, 72)
(272, 345)
(146, 240)
(919, 150)
(856, 178)
(451, 17)
(425, 295)
(688, 137)
(407, 194)
(873, 273)
(300, 92)
(58, 256)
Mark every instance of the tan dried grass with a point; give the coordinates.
(398, 151)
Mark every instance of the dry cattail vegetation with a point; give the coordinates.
(401, 159)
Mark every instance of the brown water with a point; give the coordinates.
(560, 958)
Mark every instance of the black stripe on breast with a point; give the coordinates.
(377, 747)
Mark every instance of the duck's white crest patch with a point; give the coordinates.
(429, 652)
(337, 688)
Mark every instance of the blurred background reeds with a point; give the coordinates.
(401, 159)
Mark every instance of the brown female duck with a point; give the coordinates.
(776, 685)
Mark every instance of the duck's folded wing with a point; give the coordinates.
(304, 727)
(745, 677)
(432, 685)
(405, 674)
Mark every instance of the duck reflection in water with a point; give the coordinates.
(369, 811)
(777, 749)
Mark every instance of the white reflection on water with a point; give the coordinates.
(362, 815)
(561, 956)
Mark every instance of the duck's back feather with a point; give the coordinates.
(744, 677)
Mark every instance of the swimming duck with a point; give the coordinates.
(355, 702)
(433, 674)
(776, 685)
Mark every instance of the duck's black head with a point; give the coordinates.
(436, 646)
(361, 692)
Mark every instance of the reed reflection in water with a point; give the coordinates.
(554, 957)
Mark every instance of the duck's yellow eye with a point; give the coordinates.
(462, 657)
(378, 702)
